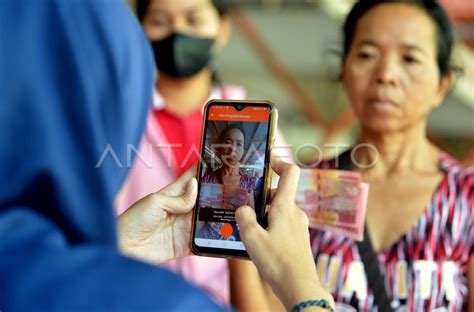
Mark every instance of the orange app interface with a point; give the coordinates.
(248, 114)
(233, 159)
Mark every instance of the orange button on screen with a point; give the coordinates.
(226, 230)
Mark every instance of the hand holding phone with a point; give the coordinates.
(282, 252)
(235, 148)
(156, 228)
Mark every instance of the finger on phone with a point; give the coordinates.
(251, 232)
(272, 194)
(289, 176)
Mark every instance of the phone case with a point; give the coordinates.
(208, 156)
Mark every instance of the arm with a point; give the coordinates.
(282, 252)
(246, 287)
(274, 303)
(248, 291)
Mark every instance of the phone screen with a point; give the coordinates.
(234, 165)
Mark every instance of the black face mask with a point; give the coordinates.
(181, 55)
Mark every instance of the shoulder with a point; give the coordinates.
(246, 177)
(454, 198)
(210, 177)
(248, 181)
(459, 176)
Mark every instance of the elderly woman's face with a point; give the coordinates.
(234, 147)
(390, 73)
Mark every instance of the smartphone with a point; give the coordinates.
(234, 170)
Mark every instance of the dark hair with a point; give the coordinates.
(431, 7)
(142, 5)
(228, 128)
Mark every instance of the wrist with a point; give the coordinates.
(313, 305)
(313, 291)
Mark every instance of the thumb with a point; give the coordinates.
(179, 186)
(182, 203)
(251, 232)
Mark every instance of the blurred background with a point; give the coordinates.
(288, 51)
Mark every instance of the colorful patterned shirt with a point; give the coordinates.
(247, 182)
(426, 270)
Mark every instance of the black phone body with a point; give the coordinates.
(234, 170)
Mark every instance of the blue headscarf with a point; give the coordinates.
(76, 78)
